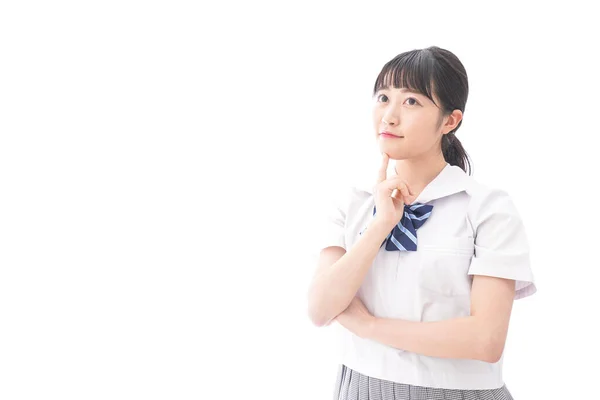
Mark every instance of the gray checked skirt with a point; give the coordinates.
(352, 385)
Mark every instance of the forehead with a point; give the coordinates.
(413, 80)
(404, 76)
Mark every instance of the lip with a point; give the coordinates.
(387, 134)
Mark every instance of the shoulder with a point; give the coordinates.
(354, 196)
(346, 197)
(490, 203)
(484, 196)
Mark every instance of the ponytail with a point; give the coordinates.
(454, 152)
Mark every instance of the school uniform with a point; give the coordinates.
(471, 230)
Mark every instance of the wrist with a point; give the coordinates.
(382, 224)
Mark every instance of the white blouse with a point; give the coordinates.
(473, 230)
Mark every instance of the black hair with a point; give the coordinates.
(431, 70)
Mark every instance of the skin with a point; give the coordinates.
(420, 125)
(418, 159)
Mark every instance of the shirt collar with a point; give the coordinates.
(450, 180)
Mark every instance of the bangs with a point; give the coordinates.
(412, 70)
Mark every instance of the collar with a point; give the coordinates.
(450, 180)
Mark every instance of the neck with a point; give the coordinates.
(419, 172)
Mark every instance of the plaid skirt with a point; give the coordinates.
(352, 385)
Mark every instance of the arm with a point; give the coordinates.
(340, 274)
(480, 336)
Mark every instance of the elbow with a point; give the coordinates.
(323, 308)
(493, 357)
(490, 351)
(315, 312)
(314, 317)
(489, 342)
(317, 318)
(319, 323)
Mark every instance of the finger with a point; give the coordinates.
(397, 195)
(399, 184)
(385, 159)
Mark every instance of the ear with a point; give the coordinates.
(452, 121)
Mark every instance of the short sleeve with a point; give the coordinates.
(501, 244)
(331, 226)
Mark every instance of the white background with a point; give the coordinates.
(163, 166)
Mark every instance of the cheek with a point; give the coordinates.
(422, 134)
(425, 126)
(376, 116)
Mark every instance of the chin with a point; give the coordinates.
(394, 154)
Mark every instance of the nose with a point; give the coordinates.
(389, 117)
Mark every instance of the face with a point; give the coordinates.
(415, 122)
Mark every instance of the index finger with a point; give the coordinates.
(383, 168)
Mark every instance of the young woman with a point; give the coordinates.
(421, 267)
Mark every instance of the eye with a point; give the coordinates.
(415, 102)
(382, 98)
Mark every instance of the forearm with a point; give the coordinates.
(466, 337)
(333, 289)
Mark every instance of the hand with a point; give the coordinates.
(390, 195)
(356, 318)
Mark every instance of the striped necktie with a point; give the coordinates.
(404, 235)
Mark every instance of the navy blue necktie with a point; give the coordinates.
(404, 235)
